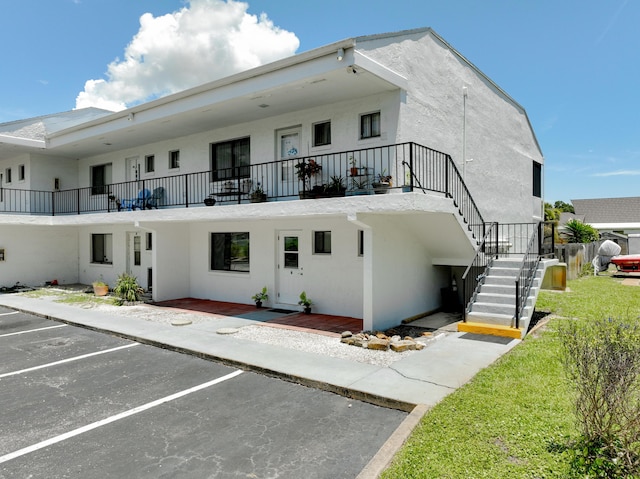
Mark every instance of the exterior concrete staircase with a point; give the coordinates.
(494, 308)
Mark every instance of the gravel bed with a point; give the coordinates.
(319, 344)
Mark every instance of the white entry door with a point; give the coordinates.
(132, 172)
(288, 148)
(290, 269)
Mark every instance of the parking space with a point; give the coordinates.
(79, 403)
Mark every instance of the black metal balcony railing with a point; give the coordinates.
(409, 166)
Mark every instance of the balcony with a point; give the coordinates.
(405, 167)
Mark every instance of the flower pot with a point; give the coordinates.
(209, 201)
(353, 170)
(307, 195)
(255, 198)
(100, 290)
(258, 304)
(381, 188)
(307, 310)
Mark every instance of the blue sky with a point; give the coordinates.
(573, 64)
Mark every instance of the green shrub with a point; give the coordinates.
(127, 288)
(579, 232)
(602, 360)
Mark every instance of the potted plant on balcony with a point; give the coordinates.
(306, 170)
(260, 296)
(210, 200)
(100, 288)
(305, 302)
(353, 170)
(258, 195)
(336, 186)
(383, 183)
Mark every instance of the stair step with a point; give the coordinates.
(490, 329)
(509, 289)
(492, 308)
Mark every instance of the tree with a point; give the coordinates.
(564, 207)
(551, 213)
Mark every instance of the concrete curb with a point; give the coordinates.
(371, 398)
(385, 454)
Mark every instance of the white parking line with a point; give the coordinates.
(32, 330)
(7, 314)
(68, 360)
(117, 417)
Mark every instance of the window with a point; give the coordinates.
(100, 179)
(537, 180)
(21, 173)
(137, 255)
(230, 252)
(370, 125)
(322, 242)
(149, 241)
(7, 175)
(101, 247)
(230, 159)
(360, 242)
(174, 159)
(322, 133)
(150, 163)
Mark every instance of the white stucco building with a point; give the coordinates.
(405, 105)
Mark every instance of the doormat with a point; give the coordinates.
(283, 311)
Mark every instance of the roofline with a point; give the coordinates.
(212, 85)
(18, 141)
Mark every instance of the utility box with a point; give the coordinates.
(555, 277)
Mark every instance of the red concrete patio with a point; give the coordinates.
(316, 323)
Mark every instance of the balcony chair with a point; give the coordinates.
(157, 198)
(137, 203)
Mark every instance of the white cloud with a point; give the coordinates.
(204, 41)
(619, 173)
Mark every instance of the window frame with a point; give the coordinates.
(106, 248)
(174, 159)
(234, 145)
(326, 135)
(7, 176)
(148, 246)
(322, 242)
(375, 129)
(537, 179)
(150, 163)
(21, 172)
(223, 260)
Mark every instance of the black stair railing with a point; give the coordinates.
(473, 277)
(527, 273)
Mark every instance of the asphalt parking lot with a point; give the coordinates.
(80, 403)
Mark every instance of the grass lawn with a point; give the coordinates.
(501, 424)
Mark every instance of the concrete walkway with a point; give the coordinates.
(423, 378)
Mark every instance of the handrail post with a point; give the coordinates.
(517, 316)
(78, 198)
(411, 147)
(53, 203)
(186, 191)
(446, 178)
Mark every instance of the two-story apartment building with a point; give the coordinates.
(387, 123)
